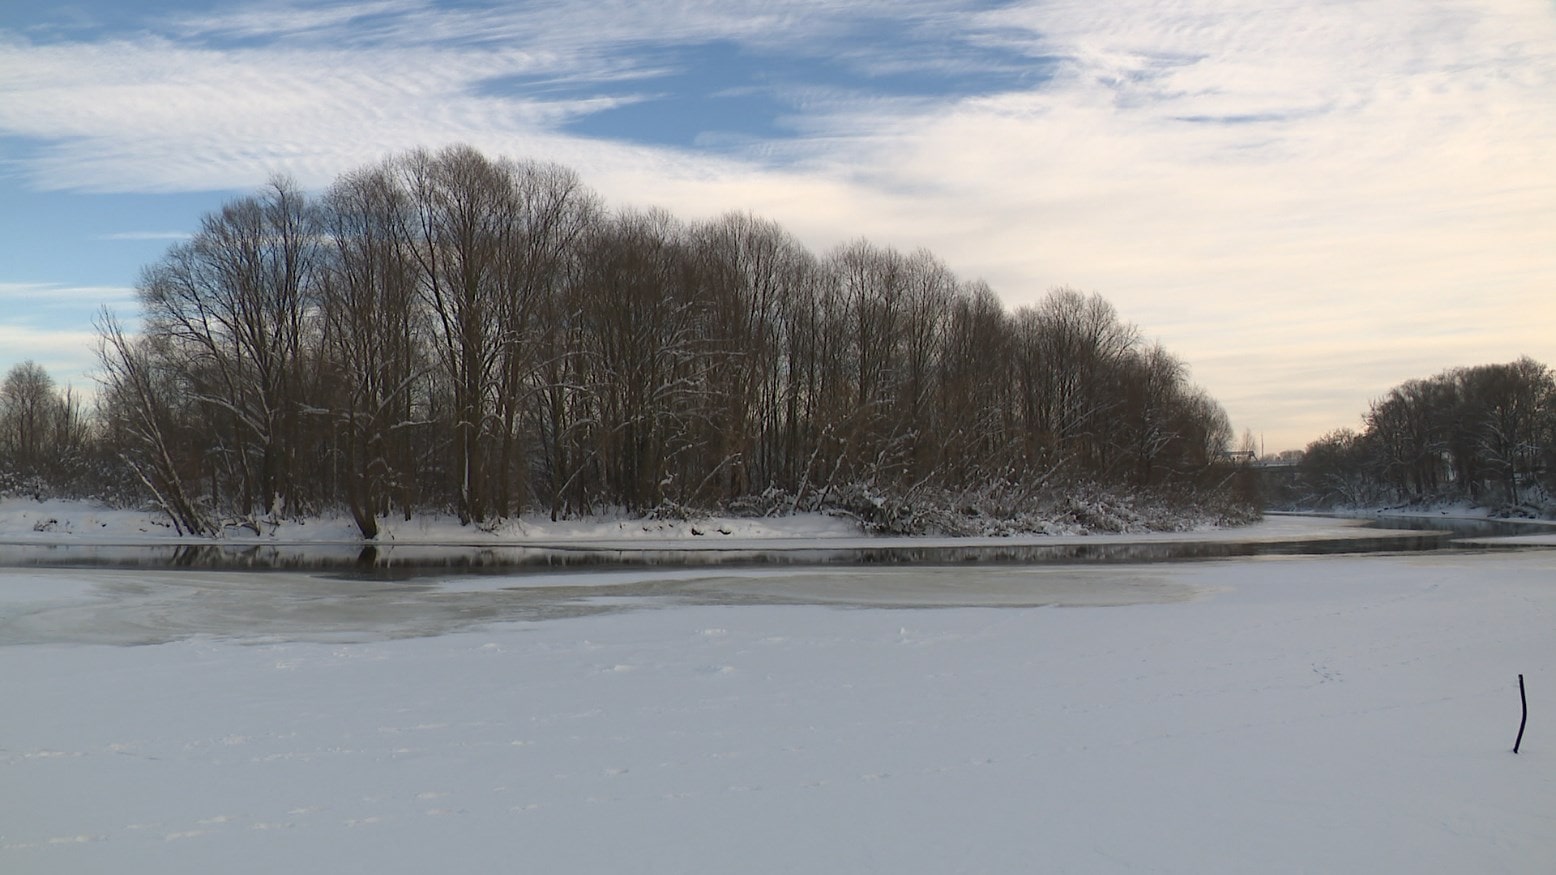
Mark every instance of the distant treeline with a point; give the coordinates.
(1483, 434)
(446, 331)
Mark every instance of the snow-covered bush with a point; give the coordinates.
(1002, 509)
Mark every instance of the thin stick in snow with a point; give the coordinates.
(1524, 700)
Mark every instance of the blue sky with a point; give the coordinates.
(1309, 203)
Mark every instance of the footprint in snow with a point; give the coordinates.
(1325, 673)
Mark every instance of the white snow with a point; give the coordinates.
(28, 521)
(1296, 714)
(56, 521)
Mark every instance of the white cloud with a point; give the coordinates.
(69, 356)
(1380, 164)
(1314, 200)
(41, 295)
(146, 235)
(52, 324)
(321, 88)
(285, 19)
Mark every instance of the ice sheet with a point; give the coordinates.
(1302, 714)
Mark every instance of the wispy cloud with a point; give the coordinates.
(1270, 189)
(69, 356)
(147, 235)
(1232, 180)
(41, 291)
(273, 20)
(55, 294)
(52, 324)
(221, 99)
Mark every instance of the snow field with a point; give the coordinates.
(1335, 714)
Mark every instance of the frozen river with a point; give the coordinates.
(1305, 708)
(153, 594)
(147, 606)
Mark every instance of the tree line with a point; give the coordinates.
(449, 331)
(1484, 434)
(45, 434)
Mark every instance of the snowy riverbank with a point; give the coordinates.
(61, 522)
(75, 522)
(1460, 510)
(46, 521)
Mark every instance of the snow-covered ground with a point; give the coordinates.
(24, 521)
(1286, 714)
(63, 522)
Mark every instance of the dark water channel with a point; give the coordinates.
(390, 562)
(139, 594)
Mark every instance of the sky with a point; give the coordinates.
(1308, 203)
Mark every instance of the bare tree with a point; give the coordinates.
(449, 330)
(642, 331)
(463, 220)
(981, 439)
(373, 342)
(28, 413)
(747, 269)
(930, 289)
(1513, 403)
(1147, 429)
(1463, 433)
(1335, 470)
(234, 307)
(148, 420)
(555, 211)
(1404, 427)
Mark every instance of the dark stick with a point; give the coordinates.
(1523, 699)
